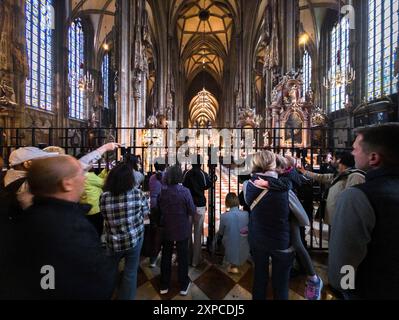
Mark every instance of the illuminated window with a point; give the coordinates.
(76, 69)
(382, 41)
(39, 42)
(105, 74)
(339, 61)
(307, 72)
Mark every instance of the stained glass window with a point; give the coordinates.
(39, 42)
(76, 69)
(383, 40)
(339, 61)
(105, 74)
(307, 72)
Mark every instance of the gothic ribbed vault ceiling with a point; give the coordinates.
(204, 31)
(101, 13)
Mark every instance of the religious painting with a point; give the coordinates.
(293, 129)
(318, 137)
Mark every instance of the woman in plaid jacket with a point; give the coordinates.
(123, 206)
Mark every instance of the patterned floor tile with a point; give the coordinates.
(147, 292)
(195, 273)
(214, 283)
(235, 277)
(150, 272)
(194, 293)
(238, 293)
(246, 280)
(174, 287)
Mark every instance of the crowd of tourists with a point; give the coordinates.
(64, 228)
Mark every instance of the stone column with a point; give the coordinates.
(288, 18)
(129, 21)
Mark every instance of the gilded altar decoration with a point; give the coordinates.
(248, 118)
(291, 110)
(319, 118)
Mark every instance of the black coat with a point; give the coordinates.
(56, 233)
(197, 181)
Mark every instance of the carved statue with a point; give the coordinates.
(146, 34)
(319, 118)
(266, 138)
(152, 121)
(6, 95)
(309, 96)
(238, 101)
(137, 84)
(93, 119)
(169, 104)
(248, 118)
(294, 95)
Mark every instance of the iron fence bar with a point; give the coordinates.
(311, 165)
(33, 137)
(50, 136)
(16, 137)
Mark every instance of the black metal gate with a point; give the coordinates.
(308, 145)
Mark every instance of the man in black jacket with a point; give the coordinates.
(364, 256)
(197, 181)
(58, 252)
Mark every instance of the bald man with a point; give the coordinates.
(59, 252)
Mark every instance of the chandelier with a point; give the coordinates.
(339, 77)
(84, 81)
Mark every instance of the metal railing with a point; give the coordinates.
(308, 145)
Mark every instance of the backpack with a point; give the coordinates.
(10, 207)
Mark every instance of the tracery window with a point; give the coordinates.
(39, 42)
(307, 72)
(339, 61)
(382, 42)
(76, 69)
(105, 75)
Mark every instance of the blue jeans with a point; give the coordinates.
(281, 267)
(128, 287)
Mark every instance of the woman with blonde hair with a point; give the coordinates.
(269, 229)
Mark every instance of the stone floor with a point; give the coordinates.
(211, 281)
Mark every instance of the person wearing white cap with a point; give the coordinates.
(20, 160)
(88, 160)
